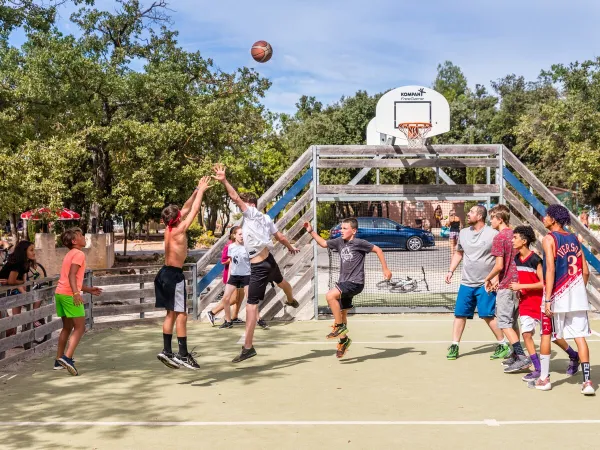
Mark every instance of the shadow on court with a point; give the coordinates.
(382, 354)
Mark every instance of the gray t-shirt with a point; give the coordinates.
(478, 261)
(352, 258)
(240, 261)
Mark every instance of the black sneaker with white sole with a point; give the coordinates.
(226, 325)
(211, 318)
(168, 359)
(261, 323)
(187, 360)
(68, 364)
(238, 321)
(246, 353)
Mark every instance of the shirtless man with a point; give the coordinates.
(257, 230)
(169, 283)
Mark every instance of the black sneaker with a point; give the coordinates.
(226, 325)
(168, 359)
(245, 354)
(293, 303)
(187, 360)
(261, 323)
(68, 364)
(211, 318)
(238, 321)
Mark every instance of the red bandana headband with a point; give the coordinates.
(174, 221)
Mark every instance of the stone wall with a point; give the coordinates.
(99, 251)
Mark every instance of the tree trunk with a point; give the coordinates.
(13, 228)
(94, 214)
(125, 238)
(148, 230)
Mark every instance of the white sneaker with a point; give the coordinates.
(540, 385)
(587, 388)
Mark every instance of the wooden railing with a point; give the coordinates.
(32, 339)
(530, 198)
(297, 206)
(133, 293)
(124, 294)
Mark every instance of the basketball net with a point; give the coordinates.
(415, 132)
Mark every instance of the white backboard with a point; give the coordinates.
(411, 104)
(373, 136)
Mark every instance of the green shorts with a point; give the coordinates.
(66, 308)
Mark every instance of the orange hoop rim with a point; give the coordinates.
(415, 130)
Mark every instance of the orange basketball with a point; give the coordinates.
(261, 51)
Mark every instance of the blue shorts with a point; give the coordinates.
(470, 297)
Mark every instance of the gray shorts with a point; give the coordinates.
(507, 308)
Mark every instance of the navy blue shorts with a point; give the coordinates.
(469, 298)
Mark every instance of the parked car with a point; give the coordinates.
(387, 234)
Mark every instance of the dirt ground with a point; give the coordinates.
(394, 389)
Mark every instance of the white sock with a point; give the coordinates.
(545, 366)
(454, 342)
(502, 342)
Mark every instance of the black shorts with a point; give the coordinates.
(348, 289)
(169, 286)
(261, 274)
(239, 281)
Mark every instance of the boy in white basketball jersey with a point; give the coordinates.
(566, 304)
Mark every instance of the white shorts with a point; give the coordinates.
(571, 325)
(528, 324)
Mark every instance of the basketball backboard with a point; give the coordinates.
(374, 137)
(411, 104)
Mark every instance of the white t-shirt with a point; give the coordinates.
(257, 230)
(240, 263)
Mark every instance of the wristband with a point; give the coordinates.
(196, 189)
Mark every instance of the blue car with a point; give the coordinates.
(387, 234)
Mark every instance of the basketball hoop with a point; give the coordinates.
(415, 132)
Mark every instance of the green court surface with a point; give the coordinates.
(395, 389)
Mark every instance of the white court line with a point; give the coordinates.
(241, 339)
(484, 422)
(3, 375)
(8, 379)
(595, 333)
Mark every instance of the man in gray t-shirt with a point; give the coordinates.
(474, 250)
(476, 247)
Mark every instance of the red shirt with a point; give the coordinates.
(531, 300)
(502, 246)
(224, 258)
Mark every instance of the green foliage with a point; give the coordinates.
(206, 240)
(594, 227)
(33, 227)
(325, 234)
(194, 233)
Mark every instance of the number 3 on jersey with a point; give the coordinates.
(572, 265)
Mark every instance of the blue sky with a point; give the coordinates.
(331, 48)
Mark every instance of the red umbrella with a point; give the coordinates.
(62, 214)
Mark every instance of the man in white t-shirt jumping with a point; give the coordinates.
(257, 229)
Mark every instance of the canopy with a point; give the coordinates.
(39, 214)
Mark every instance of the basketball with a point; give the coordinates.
(261, 51)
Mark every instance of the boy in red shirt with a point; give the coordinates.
(68, 299)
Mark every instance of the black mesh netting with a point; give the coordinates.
(416, 250)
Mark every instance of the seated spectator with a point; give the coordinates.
(14, 273)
